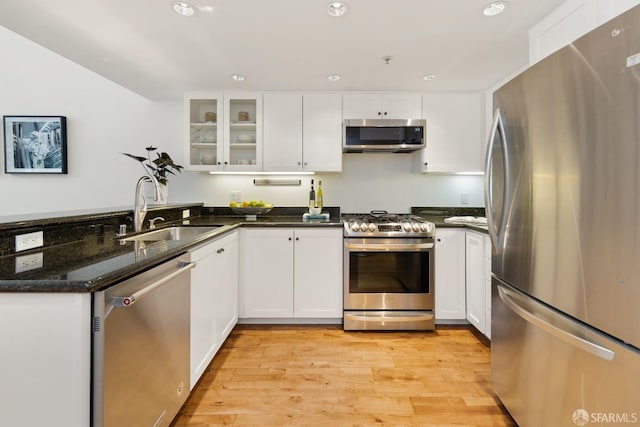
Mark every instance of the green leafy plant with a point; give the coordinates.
(159, 167)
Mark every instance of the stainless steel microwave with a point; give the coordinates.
(383, 135)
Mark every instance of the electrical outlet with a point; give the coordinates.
(186, 213)
(29, 262)
(464, 198)
(29, 241)
(236, 196)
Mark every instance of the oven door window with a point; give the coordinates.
(389, 272)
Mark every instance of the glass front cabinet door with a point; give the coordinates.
(204, 131)
(224, 132)
(243, 132)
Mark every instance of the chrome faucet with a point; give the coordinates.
(140, 209)
(152, 222)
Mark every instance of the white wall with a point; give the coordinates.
(104, 120)
(367, 181)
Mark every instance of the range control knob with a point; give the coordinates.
(406, 226)
(416, 227)
(373, 227)
(355, 227)
(424, 227)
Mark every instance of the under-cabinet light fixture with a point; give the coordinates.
(258, 173)
(238, 77)
(495, 8)
(333, 77)
(182, 8)
(429, 77)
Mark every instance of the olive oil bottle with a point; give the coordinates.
(319, 196)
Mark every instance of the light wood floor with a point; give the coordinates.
(323, 376)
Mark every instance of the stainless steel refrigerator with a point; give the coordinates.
(563, 207)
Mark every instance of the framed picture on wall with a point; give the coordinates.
(35, 144)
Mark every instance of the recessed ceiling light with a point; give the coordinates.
(495, 8)
(182, 8)
(429, 77)
(333, 77)
(238, 77)
(337, 8)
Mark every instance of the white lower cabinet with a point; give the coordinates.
(290, 273)
(45, 366)
(450, 275)
(214, 300)
(478, 272)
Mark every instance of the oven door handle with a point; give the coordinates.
(422, 247)
(413, 318)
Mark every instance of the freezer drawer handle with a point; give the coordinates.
(129, 300)
(508, 296)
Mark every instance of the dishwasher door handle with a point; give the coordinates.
(129, 300)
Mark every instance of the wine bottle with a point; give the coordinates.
(319, 196)
(312, 197)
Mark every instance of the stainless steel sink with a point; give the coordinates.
(172, 233)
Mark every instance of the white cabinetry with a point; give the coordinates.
(450, 274)
(455, 137)
(571, 20)
(214, 300)
(223, 132)
(282, 132)
(478, 272)
(382, 106)
(290, 273)
(322, 132)
(45, 359)
(203, 130)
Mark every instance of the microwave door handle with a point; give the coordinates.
(497, 129)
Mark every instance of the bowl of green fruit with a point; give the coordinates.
(252, 207)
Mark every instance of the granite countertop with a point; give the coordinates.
(94, 261)
(437, 215)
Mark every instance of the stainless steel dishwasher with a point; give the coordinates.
(141, 347)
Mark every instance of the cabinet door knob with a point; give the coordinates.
(297, 238)
(290, 239)
(439, 240)
(299, 163)
(385, 113)
(379, 113)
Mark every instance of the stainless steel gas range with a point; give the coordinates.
(389, 272)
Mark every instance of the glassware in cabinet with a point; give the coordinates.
(243, 136)
(204, 114)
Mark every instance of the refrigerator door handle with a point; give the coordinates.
(515, 303)
(496, 129)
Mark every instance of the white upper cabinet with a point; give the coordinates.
(322, 132)
(242, 132)
(282, 132)
(455, 138)
(223, 132)
(302, 133)
(382, 106)
(203, 114)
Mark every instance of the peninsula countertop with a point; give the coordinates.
(94, 261)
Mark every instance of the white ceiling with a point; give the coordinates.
(283, 44)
